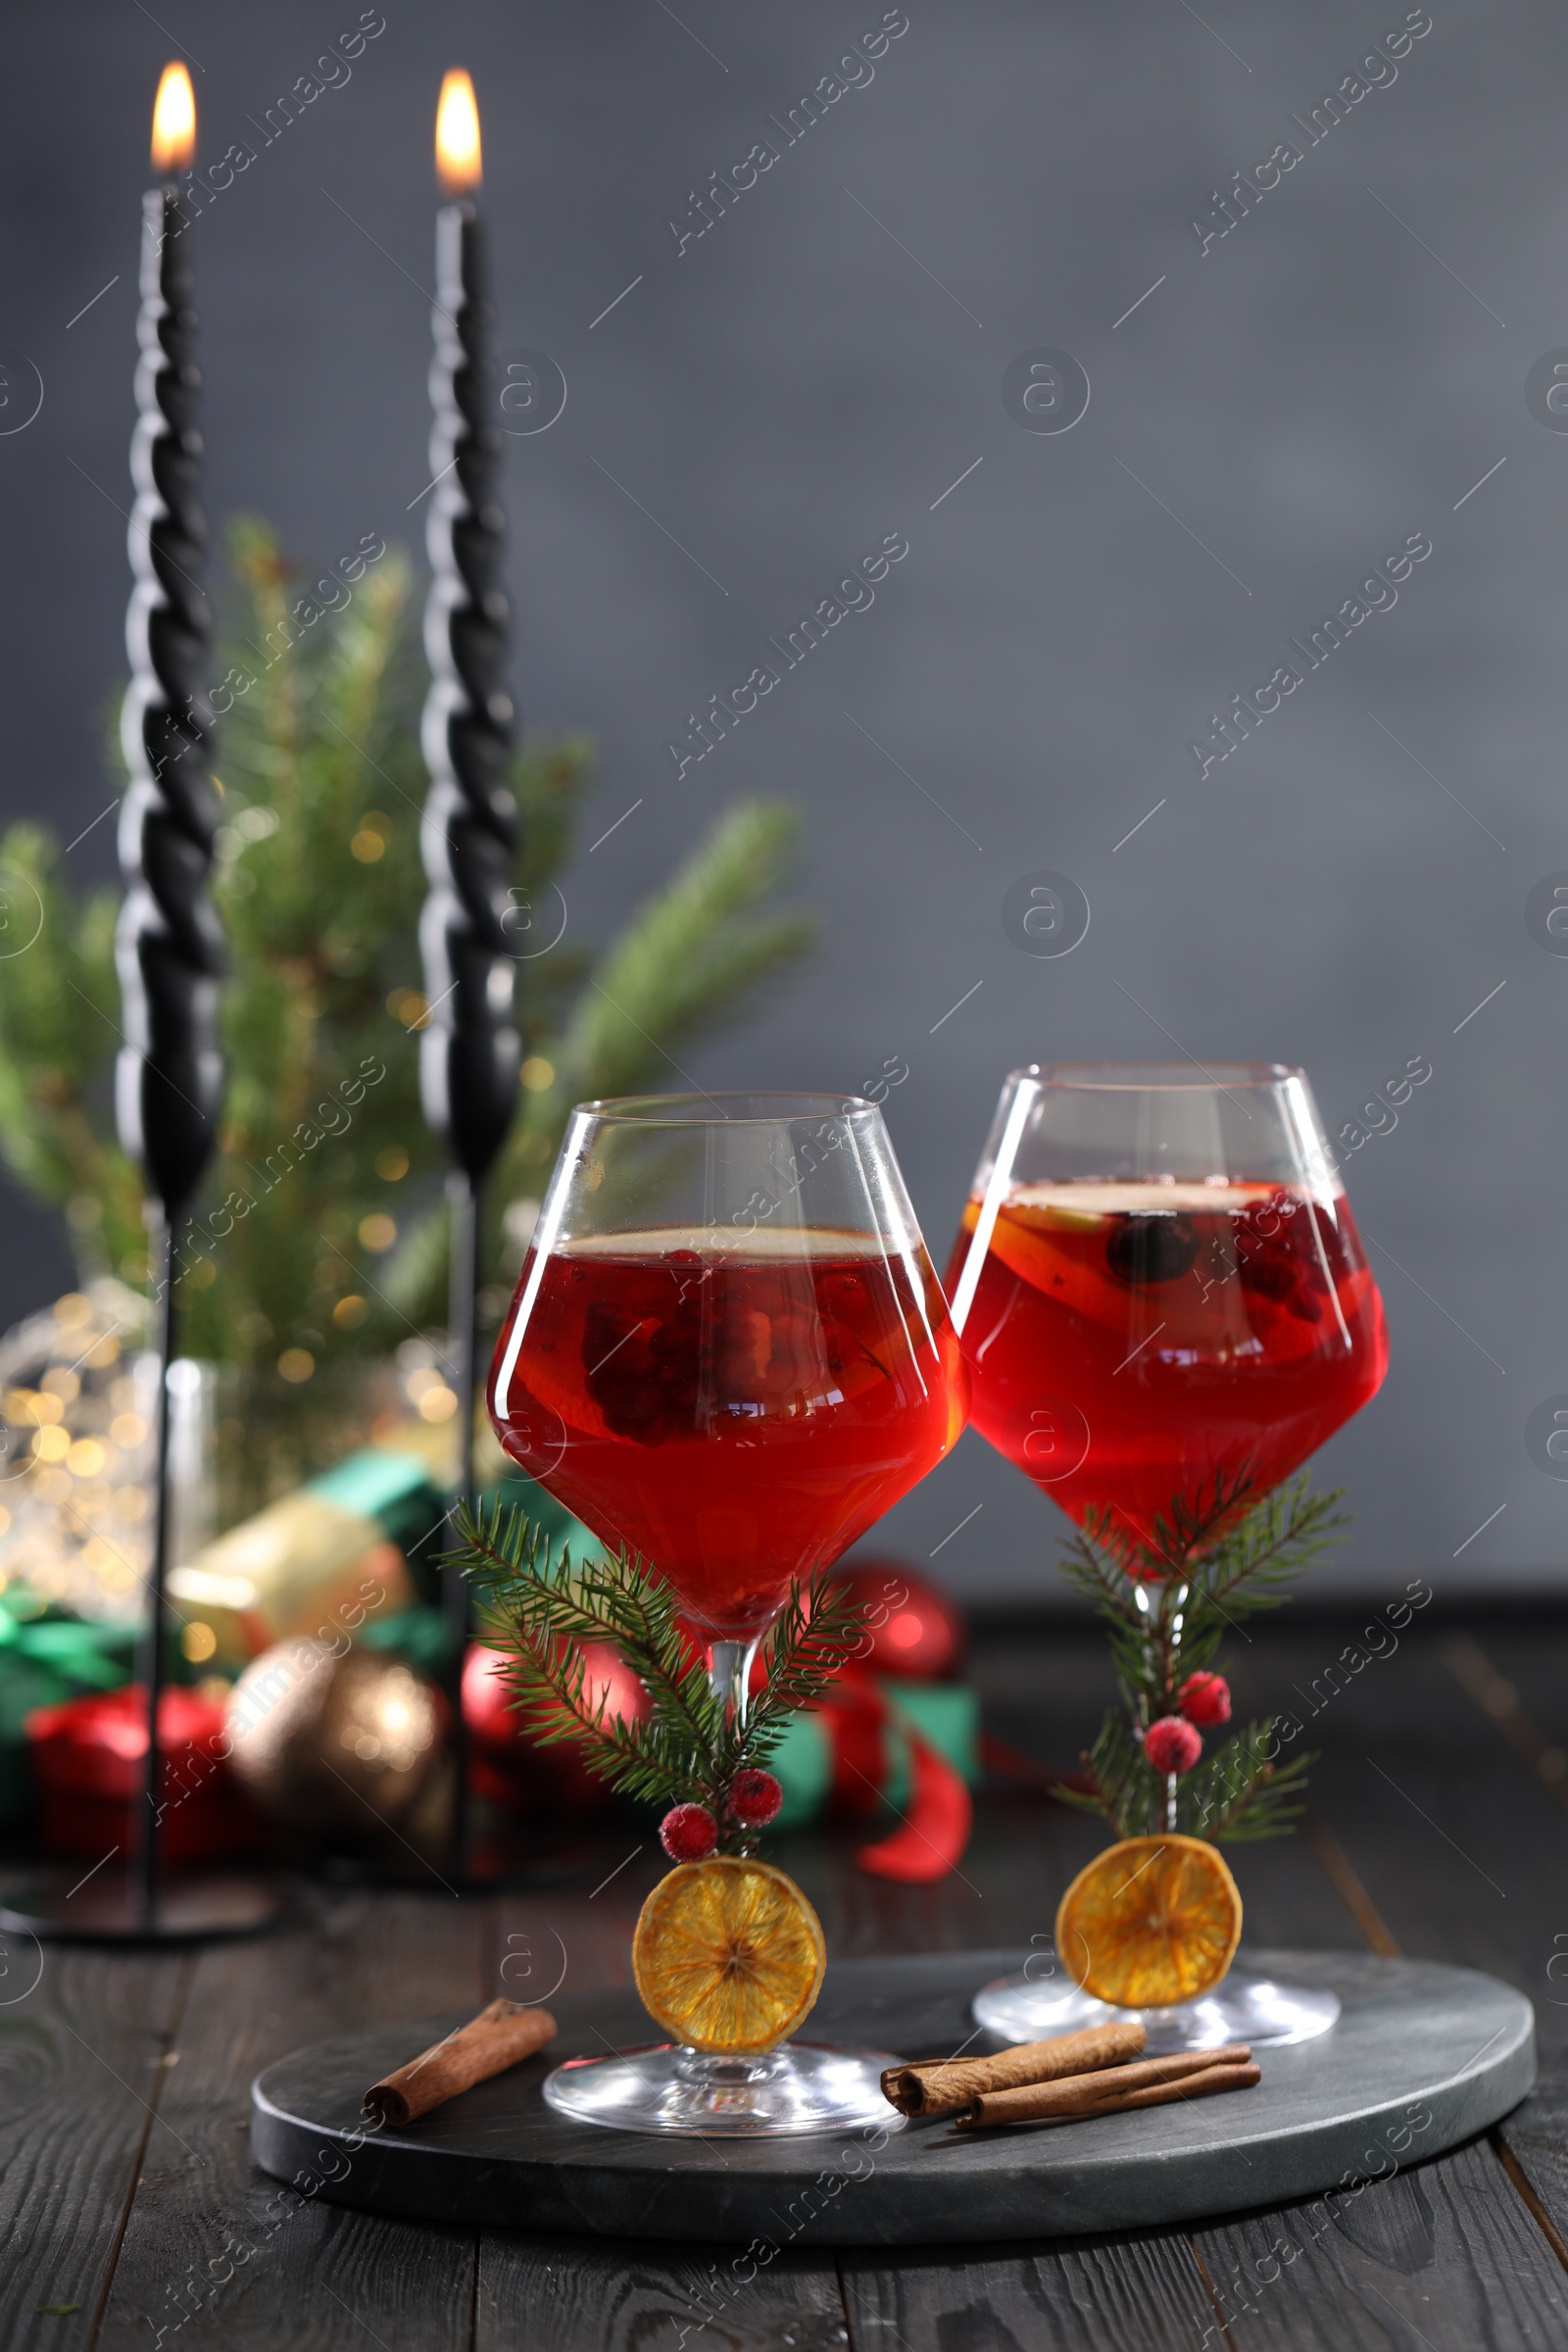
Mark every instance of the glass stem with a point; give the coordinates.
(1172, 1667)
(729, 1670)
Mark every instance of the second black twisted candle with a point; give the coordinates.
(470, 1051)
(169, 947)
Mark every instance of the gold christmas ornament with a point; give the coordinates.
(325, 1740)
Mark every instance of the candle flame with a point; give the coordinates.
(457, 136)
(174, 121)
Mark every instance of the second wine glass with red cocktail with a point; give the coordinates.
(1166, 1308)
(730, 1353)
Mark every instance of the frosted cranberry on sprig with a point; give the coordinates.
(1173, 1745)
(688, 1834)
(1206, 1699)
(753, 1797)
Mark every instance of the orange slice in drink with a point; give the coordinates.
(1151, 1921)
(728, 1955)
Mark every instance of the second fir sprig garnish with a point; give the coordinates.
(1168, 1605)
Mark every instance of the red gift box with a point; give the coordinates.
(88, 1757)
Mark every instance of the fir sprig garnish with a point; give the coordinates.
(1167, 1605)
(689, 1748)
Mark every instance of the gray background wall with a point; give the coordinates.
(1281, 411)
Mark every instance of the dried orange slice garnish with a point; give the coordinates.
(1151, 1921)
(728, 1955)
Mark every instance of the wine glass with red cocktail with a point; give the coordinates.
(1163, 1301)
(728, 1351)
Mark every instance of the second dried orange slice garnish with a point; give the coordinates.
(1151, 1921)
(728, 1955)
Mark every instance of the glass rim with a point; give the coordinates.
(1151, 1077)
(687, 1110)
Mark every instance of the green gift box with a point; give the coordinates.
(44, 1660)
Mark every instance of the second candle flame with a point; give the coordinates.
(174, 121)
(457, 136)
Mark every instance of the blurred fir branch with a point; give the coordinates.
(321, 1229)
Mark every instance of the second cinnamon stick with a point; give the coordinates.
(931, 2087)
(1150, 2083)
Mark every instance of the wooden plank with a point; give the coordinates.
(579, 1938)
(1004, 1891)
(1095, 2296)
(1442, 2254)
(1044, 1691)
(81, 2083)
(563, 2294)
(1532, 2144)
(1459, 1845)
(1483, 1676)
(1434, 1818)
(1531, 1660)
(1514, 1678)
(215, 2253)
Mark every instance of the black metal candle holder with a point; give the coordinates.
(169, 1074)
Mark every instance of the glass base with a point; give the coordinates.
(1242, 2007)
(799, 2087)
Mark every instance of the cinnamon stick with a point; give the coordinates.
(500, 2037)
(945, 2087)
(1152, 2083)
(1244, 2076)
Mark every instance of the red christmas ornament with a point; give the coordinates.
(1206, 1699)
(1172, 1744)
(689, 1832)
(509, 1766)
(754, 1798)
(914, 1631)
(86, 1756)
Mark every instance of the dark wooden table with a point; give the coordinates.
(133, 2215)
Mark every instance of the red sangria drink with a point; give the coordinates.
(1135, 1341)
(738, 1407)
(728, 1349)
(1161, 1288)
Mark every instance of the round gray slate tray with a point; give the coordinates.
(1422, 2057)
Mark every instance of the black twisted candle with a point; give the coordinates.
(469, 1052)
(167, 948)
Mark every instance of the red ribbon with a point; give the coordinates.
(934, 1831)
